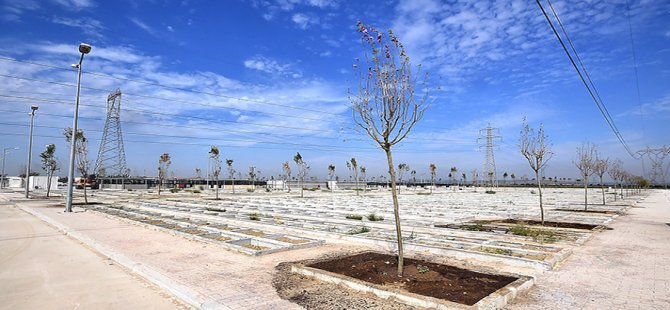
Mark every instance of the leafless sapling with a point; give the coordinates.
(534, 148)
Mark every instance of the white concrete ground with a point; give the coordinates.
(214, 276)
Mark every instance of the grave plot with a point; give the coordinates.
(332, 216)
(248, 241)
(423, 284)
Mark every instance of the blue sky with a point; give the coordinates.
(265, 79)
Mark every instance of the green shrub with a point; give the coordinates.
(215, 209)
(474, 227)
(539, 235)
(174, 190)
(498, 251)
(422, 268)
(195, 191)
(254, 217)
(490, 192)
(354, 217)
(422, 193)
(358, 230)
(374, 217)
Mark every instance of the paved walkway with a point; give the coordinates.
(201, 274)
(41, 268)
(624, 268)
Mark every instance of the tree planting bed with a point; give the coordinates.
(423, 284)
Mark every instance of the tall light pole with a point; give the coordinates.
(83, 49)
(30, 147)
(4, 155)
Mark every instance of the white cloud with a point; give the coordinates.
(143, 26)
(13, 9)
(304, 21)
(89, 26)
(271, 66)
(75, 4)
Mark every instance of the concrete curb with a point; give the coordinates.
(182, 292)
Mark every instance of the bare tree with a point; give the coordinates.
(615, 172)
(600, 167)
(81, 152)
(198, 173)
(352, 165)
(49, 163)
(164, 163)
(402, 169)
(535, 149)
(475, 177)
(287, 173)
(331, 174)
(253, 174)
(215, 159)
(586, 155)
(231, 172)
(433, 174)
(385, 105)
(303, 169)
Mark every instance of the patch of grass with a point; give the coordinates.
(539, 235)
(423, 194)
(354, 217)
(490, 192)
(174, 190)
(215, 209)
(195, 191)
(474, 227)
(130, 189)
(358, 230)
(375, 218)
(498, 251)
(422, 269)
(255, 217)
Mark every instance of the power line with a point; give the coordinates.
(592, 92)
(168, 87)
(198, 138)
(161, 98)
(147, 112)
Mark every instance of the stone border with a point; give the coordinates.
(495, 300)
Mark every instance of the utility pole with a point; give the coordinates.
(4, 155)
(657, 158)
(489, 135)
(30, 148)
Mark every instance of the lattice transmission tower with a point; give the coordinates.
(111, 159)
(489, 134)
(657, 159)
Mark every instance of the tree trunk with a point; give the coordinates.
(85, 195)
(49, 183)
(586, 188)
(539, 191)
(302, 186)
(396, 212)
(217, 188)
(602, 188)
(233, 182)
(159, 186)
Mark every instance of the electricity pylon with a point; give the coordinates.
(657, 159)
(111, 159)
(488, 135)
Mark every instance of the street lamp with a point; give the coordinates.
(4, 155)
(83, 49)
(30, 147)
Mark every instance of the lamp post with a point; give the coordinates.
(30, 147)
(83, 49)
(4, 155)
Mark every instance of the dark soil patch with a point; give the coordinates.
(420, 277)
(550, 224)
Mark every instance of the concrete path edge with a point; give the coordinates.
(180, 291)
